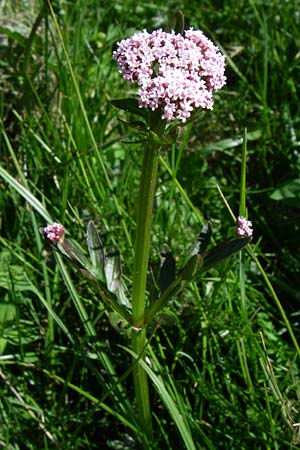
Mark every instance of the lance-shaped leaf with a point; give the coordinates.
(113, 273)
(96, 251)
(204, 237)
(223, 251)
(71, 252)
(130, 105)
(191, 271)
(186, 275)
(202, 242)
(191, 268)
(176, 23)
(113, 270)
(167, 268)
(112, 300)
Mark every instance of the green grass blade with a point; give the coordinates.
(26, 194)
(169, 403)
(242, 209)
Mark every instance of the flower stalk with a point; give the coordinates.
(141, 258)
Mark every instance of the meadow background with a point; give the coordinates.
(226, 351)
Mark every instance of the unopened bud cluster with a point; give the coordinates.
(243, 227)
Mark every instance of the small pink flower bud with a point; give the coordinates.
(243, 227)
(54, 232)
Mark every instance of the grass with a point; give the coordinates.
(224, 370)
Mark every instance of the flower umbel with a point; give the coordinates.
(175, 73)
(244, 227)
(54, 232)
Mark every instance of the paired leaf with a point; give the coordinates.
(113, 273)
(105, 269)
(176, 23)
(130, 105)
(76, 255)
(204, 237)
(96, 251)
(167, 268)
(196, 264)
(199, 247)
(71, 252)
(223, 251)
(191, 269)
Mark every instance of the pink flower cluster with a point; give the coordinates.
(243, 227)
(54, 232)
(176, 73)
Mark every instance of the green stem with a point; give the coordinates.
(141, 258)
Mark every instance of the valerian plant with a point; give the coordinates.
(176, 74)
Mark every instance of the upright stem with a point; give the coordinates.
(141, 259)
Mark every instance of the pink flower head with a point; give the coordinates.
(175, 73)
(54, 232)
(243, 227)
